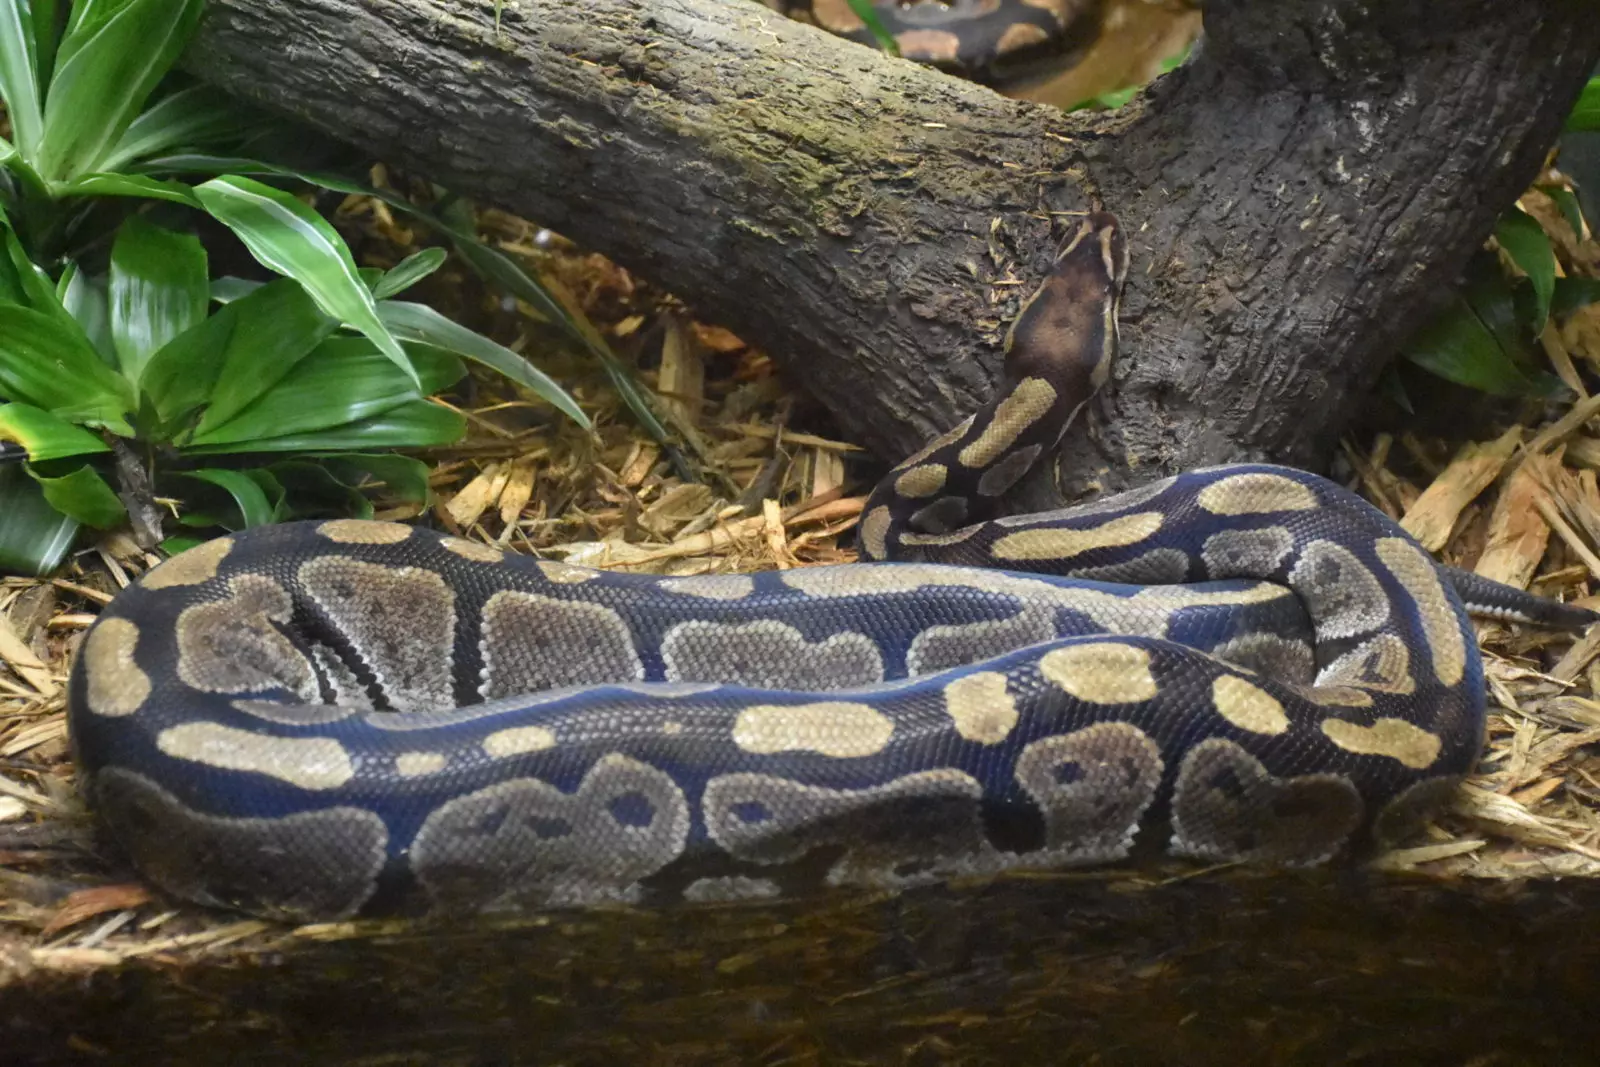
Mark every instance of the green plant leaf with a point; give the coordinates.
(1586, 115)
(344, 380)
(44, 435)
(37, 290)
(409, 271)
(311, 489)
(189, 118)
(159, 287)
(1524, 240)
(34, 537)
(113, 54)
(133, 185)
(400, 477)
(83, 495)
(254, 508)
(290, 238)
(418, 322)
(1458, 347)
(19, 75)
(1568, 205)
(86, 300)
(279, 325)
(880, 33)
(1573, 293)
(414, 424)
(47, 361)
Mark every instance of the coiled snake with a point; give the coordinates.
(318, 718)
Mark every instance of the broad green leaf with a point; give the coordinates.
(868, 15)
(113, 54)
(1572, 294)
(172, 546)
(1567, 203)
(415, 424)
(290, 238)
(1586, 115)
(188, 118)
(279, 325)
(134, 185)
(400, 477)
(19, 75)
(44, 435)
(34, 537)
(1525, 242)
(50, 363)
(311, 489)
(344, 380)
(409, 271)
(87, 301)
(254, 507)
(46, 36)
(83, 495)
(159, 286)
(227, 289)
(180, 378)
(38, 291)
(1458, 347)
(418, 322)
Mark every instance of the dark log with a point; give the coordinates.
(1299, 195)
(1227, 970)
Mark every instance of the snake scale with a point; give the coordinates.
(321, 719)
(985, 40)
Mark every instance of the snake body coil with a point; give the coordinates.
(1246, 663)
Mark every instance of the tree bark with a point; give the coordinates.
(1298, 196)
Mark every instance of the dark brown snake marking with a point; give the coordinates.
(325, 718)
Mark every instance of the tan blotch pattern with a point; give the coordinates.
(420, 764)
(518, 740)
(1256, 494)
(712, 586)
(1395, 738)
(923, 481)
(937, 45)
(116, 684)
(1413, 569)
(1021, 35)
(532, 643)
(838, 728)
(1248, 706)
(1064, 544)
(233, 645)
(1093, 786)
(1382, 663)
(197, 565)
(875, 532)
(566, 573)
(1008, 471)
(1101, 672)
(364, 532)
(1029, 402)
(981, 707)
(304, 762)
(400, 620)
(476, 551)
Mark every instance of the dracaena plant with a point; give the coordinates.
(123, 362)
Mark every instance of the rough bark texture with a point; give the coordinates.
(1297, 194)
(1214, 971)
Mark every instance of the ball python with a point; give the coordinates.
(984, 40)
(1248, 663)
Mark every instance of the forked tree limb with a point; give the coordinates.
(1298, 196)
